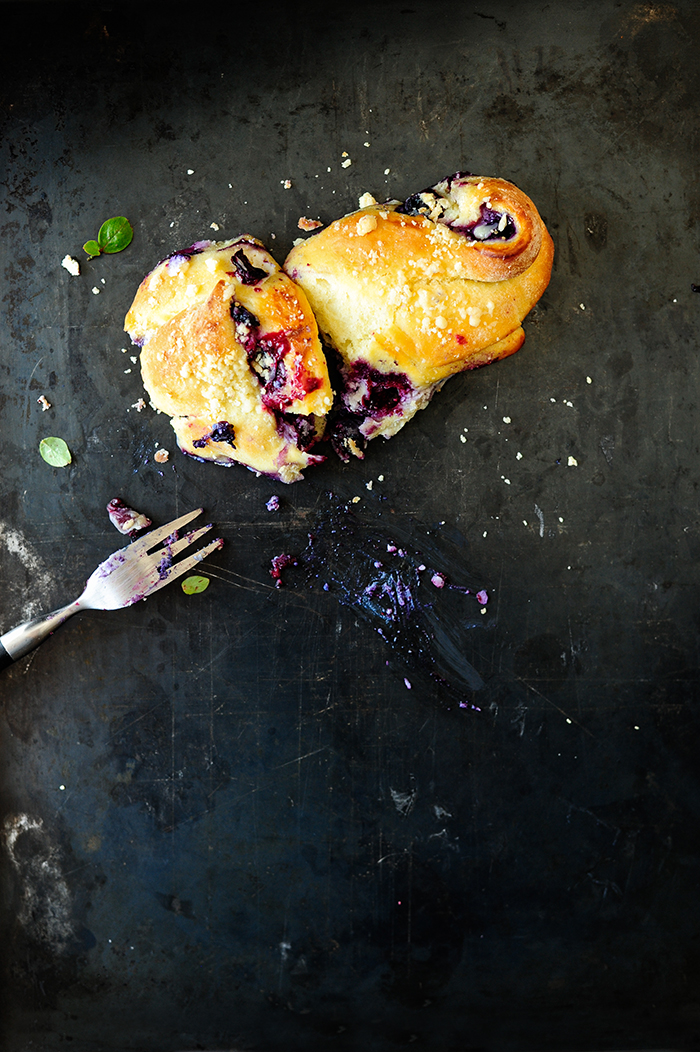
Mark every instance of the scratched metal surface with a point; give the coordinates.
(226, 822)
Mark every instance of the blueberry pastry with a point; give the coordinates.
(409, 293)
(230, 350)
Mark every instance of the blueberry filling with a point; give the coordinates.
(221, 432)
(491, 226)
(246, 272)
(266, 359)
(423, 203)
(379, 393)
(245, 325)
(183, 254)
(297, 429)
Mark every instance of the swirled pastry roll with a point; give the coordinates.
(409, 293)
(230, 350)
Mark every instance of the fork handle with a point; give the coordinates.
(20, 640)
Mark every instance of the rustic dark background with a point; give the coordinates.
(226, 821)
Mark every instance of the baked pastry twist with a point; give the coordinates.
(230, 350)
(409, 293)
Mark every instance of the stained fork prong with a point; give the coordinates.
(144, 544)
(187, 540)
(170, 573)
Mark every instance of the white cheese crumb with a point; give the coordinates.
(126, 371)
(71, 265)
(462, 438)
(589, 380)
(286, 183)
(214, 226)
(138, 406)
(44, 403)
(345, 164)
(366, 144)
(366, 224)
(386, 171)
(507, 481)
(484, 533)
(572, 462)
(95, 290)
(518, 456)
(190, 171)
(380, 478)
(369, 484)
(582, 306)
(506, 419)
(133, 358)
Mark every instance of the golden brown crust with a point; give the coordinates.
(233, 356)
(407, 292)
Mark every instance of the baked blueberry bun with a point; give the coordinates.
(230, 350)
(409, 293)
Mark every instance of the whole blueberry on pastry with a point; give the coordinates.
(230, 350)
(410, 293)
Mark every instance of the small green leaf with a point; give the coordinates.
(192, 585)
(115, 234)
(92, 249)
(55, 452)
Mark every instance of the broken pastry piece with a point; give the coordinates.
(410, 293)
(230, 350)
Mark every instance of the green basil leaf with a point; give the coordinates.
(115, 234)
(92, 249)
(192, 585)
(55, 452)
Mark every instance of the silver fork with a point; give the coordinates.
(130, 574)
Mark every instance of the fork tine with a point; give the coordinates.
(188, 539)
(174, 571)
(143, 544)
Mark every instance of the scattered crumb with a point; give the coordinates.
(386, 171)
(356, 500)
(44, 403)
(380, 478)
(161, 455)
(582, 306)
(344, 153)
(365, 144)
(518, 456)
(71, 265)
(133, 358)
(190, 171)
(462, 438)
(367, 200)
(572, 462)
(95, 290)
(214, 226)
(345, 164)
(273, 503)
(309, 224)
(365, 225)
(138, 406)
(286, 183)
(127, 371)
(298, 241)
(368, 485)
(506, 419)
(589, 380)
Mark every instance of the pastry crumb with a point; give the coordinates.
(138, 406)
(161, 456)
(286, 183)
(95, 290)
(44, 403)
(367, 200)
(346, 163)
(366, 224)
(71, 265)
(309, 224)
(214, 226)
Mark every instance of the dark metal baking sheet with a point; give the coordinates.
(226, 820)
